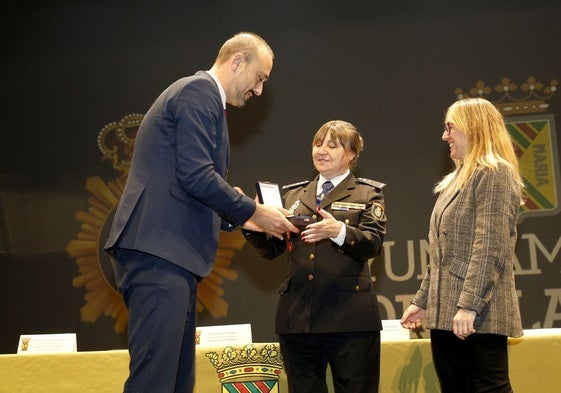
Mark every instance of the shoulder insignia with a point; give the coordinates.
(293, 185)
(370, 182)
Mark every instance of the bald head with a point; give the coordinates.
(249, 44)
(242, 66)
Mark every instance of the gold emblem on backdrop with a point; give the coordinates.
(513, 99)
(534, 137)
(116, 143)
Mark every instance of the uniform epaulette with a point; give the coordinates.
(372, 183)
(300, 183)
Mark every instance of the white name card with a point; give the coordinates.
(222, 335)
(392, 331)
(47, 343)
(542, 332)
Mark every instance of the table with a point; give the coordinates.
(406, 366)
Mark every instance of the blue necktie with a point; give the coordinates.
(326, 187)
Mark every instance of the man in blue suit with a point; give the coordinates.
(165, 232)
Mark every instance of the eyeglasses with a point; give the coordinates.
(447, 128)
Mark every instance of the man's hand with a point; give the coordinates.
(251, 226)
(271, 220)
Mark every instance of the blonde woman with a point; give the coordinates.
(468, 297)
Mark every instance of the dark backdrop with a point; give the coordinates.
(69, 68)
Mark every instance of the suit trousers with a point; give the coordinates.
(161, 301)
(354, 359)
(478, 364)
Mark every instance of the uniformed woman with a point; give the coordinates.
(328, 310)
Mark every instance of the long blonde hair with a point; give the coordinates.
(488, 143)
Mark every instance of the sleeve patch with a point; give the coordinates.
(377, 210)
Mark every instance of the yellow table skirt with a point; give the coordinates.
(406, 366)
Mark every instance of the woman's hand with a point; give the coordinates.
(412, 317)
(462, 324)
(327, 228)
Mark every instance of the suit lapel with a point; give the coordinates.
(343, 190)
(309, 197)
(444, 203)
(221, 127)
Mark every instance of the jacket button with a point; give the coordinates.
(310, 277)
(312, 257)
(357, 288)
(347, 221)
(352, 242)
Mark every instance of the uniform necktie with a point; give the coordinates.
(326, 187)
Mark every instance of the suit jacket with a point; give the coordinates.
(329, 287)
(176, 192)
(472, 236)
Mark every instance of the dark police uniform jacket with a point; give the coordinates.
(329, 287)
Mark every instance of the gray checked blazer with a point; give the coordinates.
(472, 236)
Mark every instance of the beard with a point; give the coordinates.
(242, 97)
